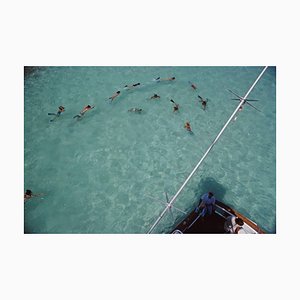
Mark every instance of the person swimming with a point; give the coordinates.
(192, 85)
(158, 79)
(60, 110)
(176, 106)
(28, 194)
(84, 110)
(203, 102)
(187, 125)
(155, 96)
(114, 95)
(137, 110)
(132, 86)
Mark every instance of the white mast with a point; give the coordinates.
(242, 102)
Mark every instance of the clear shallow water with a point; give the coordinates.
(100, 174)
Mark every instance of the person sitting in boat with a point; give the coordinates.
(234, 224)
(207, 203)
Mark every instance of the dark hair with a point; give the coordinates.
(118, 92)
(210, 193)
(239, 221)
(173, 77)
(126, 85)
(28, 192)
(89, 106)
(61, 107)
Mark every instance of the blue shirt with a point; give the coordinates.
(207, 200)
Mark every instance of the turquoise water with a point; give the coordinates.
(109, 171)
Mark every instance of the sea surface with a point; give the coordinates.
(110, 171)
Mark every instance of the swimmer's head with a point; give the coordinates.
(28, 192)
(118, 92)
(239, 221)
(61, 108)
(210, 194)
(173, 78)
(89, 106)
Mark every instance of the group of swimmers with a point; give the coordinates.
(158, 79)
(187, 125)
(28, 194)
(62, 109)
(155, 96)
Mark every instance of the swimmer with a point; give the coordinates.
(175, 107)
(137, 110)
(192, 85)
(114, 95)
(132, 86)
(28, 194)
(155, 96)
(158, 79)
(85, 109)
(60, 110)
(203, 102)
(188, 126)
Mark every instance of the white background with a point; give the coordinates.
(147, 33)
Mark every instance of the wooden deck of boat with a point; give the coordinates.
(208, 224)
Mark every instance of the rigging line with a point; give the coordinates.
(243, 100)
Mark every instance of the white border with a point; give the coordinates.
(147, 33)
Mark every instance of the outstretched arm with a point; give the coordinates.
(202, 204)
